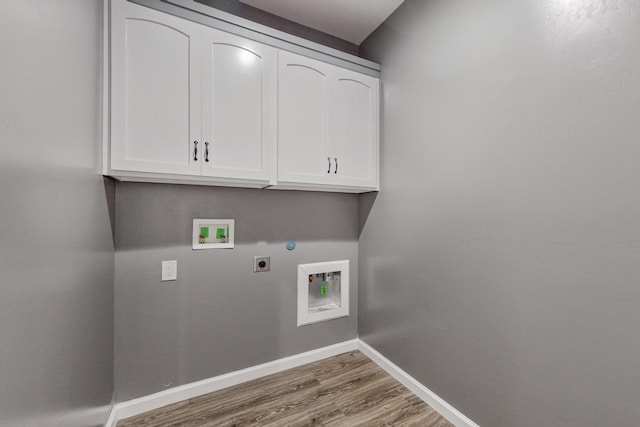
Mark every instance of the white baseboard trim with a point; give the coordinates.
(456, 417)
(112, 420)
(187, 391)
(176, 394)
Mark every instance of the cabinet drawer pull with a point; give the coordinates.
(329, 160)
(195, 151)
(206, 151)
(336, 159)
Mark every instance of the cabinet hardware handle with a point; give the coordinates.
(206, 151)
(336, 159)
(195, 151)
(329, 159)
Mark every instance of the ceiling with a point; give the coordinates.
(351, 20)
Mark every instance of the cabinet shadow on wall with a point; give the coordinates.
(161, 215)
(110, 196)
(365, 204)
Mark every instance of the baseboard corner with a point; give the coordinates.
(454, 416)
(112, 420)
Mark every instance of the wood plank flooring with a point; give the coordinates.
(345, 390)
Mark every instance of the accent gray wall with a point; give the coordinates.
(219, 316)
(500, 262)
(56, 246)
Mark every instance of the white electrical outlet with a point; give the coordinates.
(169, 270)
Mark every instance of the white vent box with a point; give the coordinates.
(323, 291)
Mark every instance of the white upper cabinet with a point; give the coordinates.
(327, 126)
(189, 100)
(192, 104)
(302, 117)
(353, 130)
(155, 91)
(238, 106)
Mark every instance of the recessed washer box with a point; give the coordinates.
(323, 291)
(213, 233)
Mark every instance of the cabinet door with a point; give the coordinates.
(302, 107)
(238, 106)
(155, 91)
(353, 129)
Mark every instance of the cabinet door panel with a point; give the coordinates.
(354, 129)
(238, 106)
(302, 87)
(154, 92)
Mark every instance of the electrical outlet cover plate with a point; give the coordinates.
(261, 263)
(169, 270)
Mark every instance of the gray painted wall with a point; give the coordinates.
(500, 262)
(56, 246)
(219, 316)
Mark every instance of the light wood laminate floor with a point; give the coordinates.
(345, 390)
